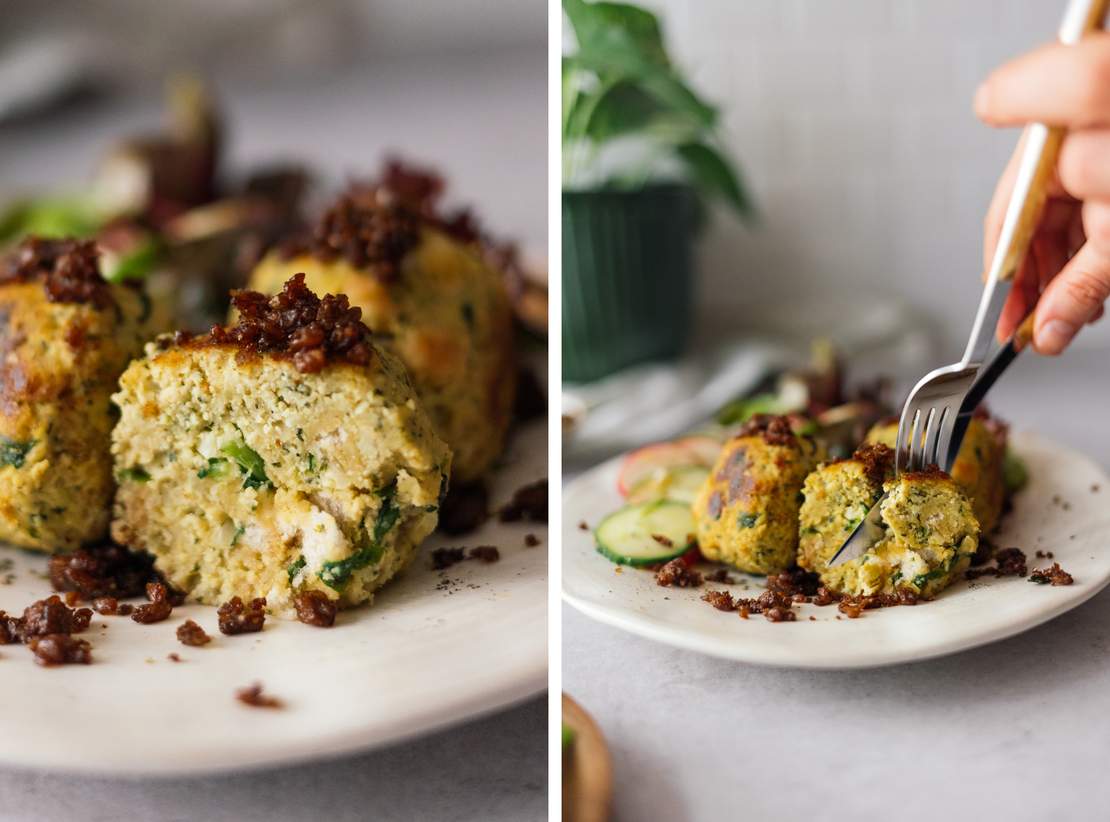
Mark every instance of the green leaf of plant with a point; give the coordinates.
(621, 108)
(641, 25)
(615, 59)
(618, 41)
(713, 174)
(570, 91)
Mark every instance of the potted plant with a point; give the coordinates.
(639, 160)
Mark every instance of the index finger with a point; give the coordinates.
(1057, 84)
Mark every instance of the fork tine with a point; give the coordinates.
(903, 447)
(919, 454)
(932, 436)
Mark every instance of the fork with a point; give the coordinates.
(928, 431)
(940, 406)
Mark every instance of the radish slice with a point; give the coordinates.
(661, 457)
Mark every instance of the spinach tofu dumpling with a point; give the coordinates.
(930, 531)
(65, 337)
(283, 455)
(434, 301)
(747, 510)
(978, 467)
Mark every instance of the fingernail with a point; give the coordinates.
(1054, 335)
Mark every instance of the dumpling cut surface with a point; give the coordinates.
(246, 476)
(930, 530)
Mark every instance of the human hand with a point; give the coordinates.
(1066, 274)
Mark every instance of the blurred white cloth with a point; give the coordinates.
(657, 401)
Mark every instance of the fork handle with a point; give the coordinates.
(1038, 162)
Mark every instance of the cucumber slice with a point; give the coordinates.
(679, 484)
(629, 536)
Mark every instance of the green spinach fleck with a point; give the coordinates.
(338, 573)
(748, 520)
(295, 568)
(14, 452)
(215, 468)
(135, 474)
(251, 465)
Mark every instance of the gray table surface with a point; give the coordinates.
(481, 119)
(1018, 730)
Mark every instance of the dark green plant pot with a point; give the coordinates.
(627, 277)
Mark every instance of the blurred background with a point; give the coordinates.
(331, 83)
(851, 128)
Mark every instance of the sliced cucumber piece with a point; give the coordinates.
(646, 533)
(678, 484)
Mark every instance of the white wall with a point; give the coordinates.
(854, 125)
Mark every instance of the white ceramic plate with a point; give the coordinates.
(427, 653)
(1057, 512)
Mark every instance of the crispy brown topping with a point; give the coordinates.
(10, 629)
(237, 618)
(854, 606)
(103, 571)
(583, 525)
(775, 430)
(419, 190)
(253, 696)
(464, 509)
(1051, 576)
(983, 552)
(877, 461)
(294, 323)
(485, 553)
(528, 503)
(159, 607)
(794, 582)
(174, 657)
(60, 649)
(772, 603)
(678, 574)
(1045, 555)
(446, 557)
(929, 472)
(825, 596)
(191, 634)
(51, 616)
(110, 606)
(366, 232)
(720, 575)
(1009, 562)
(314, 608)
(67, 268)
(721, 600)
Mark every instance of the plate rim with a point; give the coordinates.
(690, 639)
